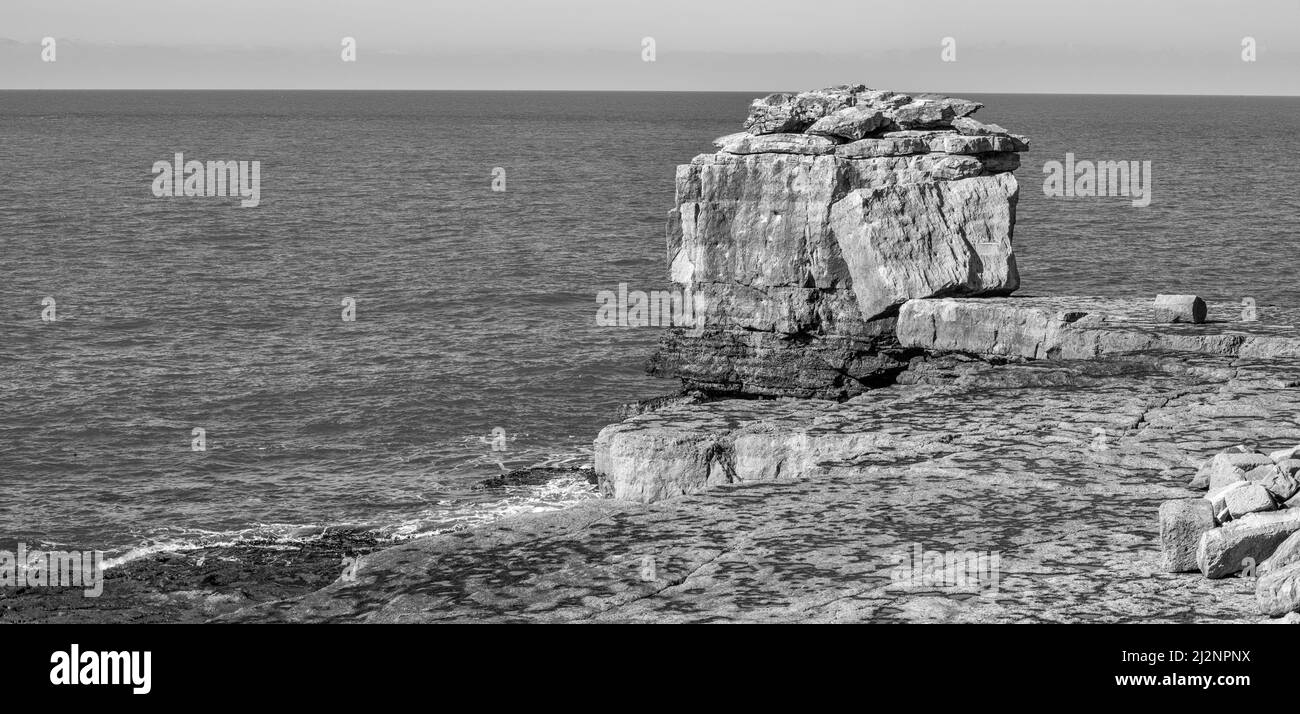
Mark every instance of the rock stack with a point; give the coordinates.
(806, 231)
(1248, 520)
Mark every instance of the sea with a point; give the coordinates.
(473, 348)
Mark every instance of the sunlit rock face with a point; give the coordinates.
(806, 231)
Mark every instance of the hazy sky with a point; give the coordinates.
(1156, 46)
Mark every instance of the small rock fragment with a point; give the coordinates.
(746, 143)
(1229, 466)
(1202, 477)
(785, 112)
(881, 98)
(1283, 454)
(1179, 308)
(1282, 480)
(962, 144)
(1261, 473)
(1251, 498)
(931, 112)
(974, 127)
(851, 123)
(1285, 554)
(874, 148)
(1278, 591)
(1292, 618)
(1218, 500)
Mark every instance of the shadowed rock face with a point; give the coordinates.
(805, 233)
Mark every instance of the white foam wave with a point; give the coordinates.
(440, 516)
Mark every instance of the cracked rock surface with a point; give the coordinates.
(799, 510)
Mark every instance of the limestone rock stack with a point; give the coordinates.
(807, 230)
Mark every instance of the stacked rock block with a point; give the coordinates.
(1248, 520)
(805, 232)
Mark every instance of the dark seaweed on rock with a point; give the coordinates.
(534, 476)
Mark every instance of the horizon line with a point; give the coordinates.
(622, 91)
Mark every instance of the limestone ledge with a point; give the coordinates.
(796, 510)
(1071, 328)
(1101, 344)
(900, 143)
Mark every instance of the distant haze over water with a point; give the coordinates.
(1099, 46)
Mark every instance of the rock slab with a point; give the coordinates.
(1080, 328)
(1223, 551)
(928, 240)
(1182, 522)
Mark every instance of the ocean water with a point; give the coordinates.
(475, 309)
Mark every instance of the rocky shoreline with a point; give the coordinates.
(870, 427)
(198, 584)
(1060, 466)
